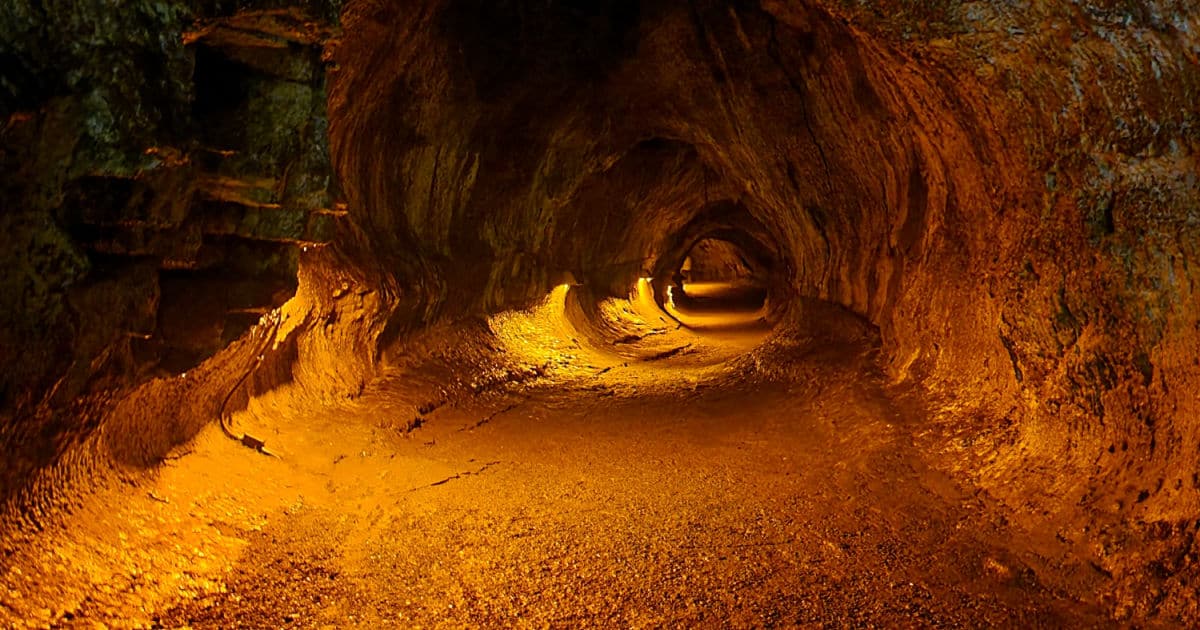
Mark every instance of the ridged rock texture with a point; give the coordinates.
(1008, 192)
(163, 167)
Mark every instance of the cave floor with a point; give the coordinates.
(675, 491)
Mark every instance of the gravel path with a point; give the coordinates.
(686, 491)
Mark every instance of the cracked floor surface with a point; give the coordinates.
(681, 491)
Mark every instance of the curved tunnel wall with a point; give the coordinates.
(862, 164)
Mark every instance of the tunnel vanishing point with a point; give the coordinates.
(603, 313)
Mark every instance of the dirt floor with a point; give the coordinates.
(678, 478)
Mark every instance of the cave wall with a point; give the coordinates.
(1059, 320)
(1072, 249)
(162, 165)
(722, 261)
(495, 167)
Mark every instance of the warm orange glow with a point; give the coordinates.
(701, 318)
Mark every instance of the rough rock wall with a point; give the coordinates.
(1066, 321)
(497, 148)
(161, 166)
(714, 259)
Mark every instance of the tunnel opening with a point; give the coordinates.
(721, 287)
(724, 268)
(717, 276)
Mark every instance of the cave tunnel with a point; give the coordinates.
(719, 277)
(370, 313)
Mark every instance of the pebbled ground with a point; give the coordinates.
(691, 490)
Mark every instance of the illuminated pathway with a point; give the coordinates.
(639, 485)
